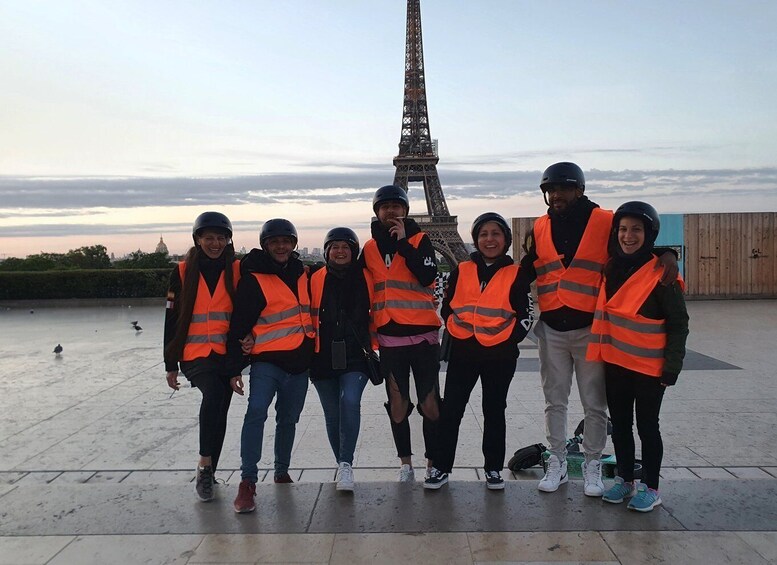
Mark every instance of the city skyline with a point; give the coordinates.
(124, 120)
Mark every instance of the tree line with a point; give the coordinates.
(90, 257)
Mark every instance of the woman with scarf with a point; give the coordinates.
(340, 310)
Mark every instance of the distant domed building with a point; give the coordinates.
(161, 247)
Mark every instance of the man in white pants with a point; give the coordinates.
(566, 252)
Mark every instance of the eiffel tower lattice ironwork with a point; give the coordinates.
(417, 159)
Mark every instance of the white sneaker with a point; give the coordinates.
(406, 474)
(592, 475)
(344, 477)
(555, 476)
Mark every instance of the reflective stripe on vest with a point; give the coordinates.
(397, 295)
(486, 314)
(285, 321)
(210, 318)
(620, 335)
(576, 286)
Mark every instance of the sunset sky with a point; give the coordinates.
(123, 120)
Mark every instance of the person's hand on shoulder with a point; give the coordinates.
(668, 262)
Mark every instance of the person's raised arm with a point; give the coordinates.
(420, 261)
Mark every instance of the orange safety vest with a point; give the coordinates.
(210, 317)
(285, 321)
(620, 335)
(486, 314)
(316, 294)
(397, 294)
(576, 286)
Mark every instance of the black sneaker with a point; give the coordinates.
(494, 480)
(435, 479)
(204, 483)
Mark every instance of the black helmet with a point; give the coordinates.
(213, 220)
(277, 227)
(644, 212)
(390, 192)
(563, 173)
(492, 217)
(342, 234)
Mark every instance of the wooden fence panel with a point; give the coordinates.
(731, 255)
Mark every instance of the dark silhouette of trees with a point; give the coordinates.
(91, 257)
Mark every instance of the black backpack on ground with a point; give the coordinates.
(526, 457)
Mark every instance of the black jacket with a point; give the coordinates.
(520, 300)
(249, 303)
(421, 262)
(344, 315)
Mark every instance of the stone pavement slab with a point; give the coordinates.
(539, 547)
(32, 550)
(152, 509)
(101, 550)
(466, 506)
(640, 548)
(461, 506)
(722, 504)
(262, 548)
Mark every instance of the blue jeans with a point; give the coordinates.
(341, 399)
(266, 380)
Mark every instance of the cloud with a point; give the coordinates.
(37, 197)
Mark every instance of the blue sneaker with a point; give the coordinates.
(645, 500)
(619, 491)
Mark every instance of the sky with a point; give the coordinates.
(121, 121)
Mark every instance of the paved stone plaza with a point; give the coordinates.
(98, 460)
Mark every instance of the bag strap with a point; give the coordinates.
(356, 336)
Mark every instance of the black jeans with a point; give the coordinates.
(463, 373)
(395, 364)
(627, 390)
(207, 375)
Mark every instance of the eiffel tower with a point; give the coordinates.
(417, 159)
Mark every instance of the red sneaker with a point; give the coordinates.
(281, 479)
(245, 497)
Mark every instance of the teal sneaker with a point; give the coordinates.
(619, 491)
(645, 500)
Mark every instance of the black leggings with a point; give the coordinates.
(207, 375)
(625, 392)
(495, 377)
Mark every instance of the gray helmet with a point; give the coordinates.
(212, 220)
(342, 234)
(492, 217)
(277, 227)
(644, 212)
(388, 193)
(563, 173)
